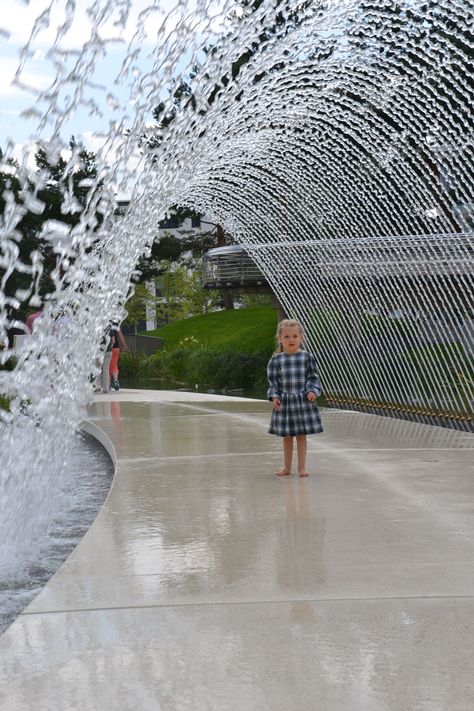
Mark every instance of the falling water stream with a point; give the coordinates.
(334, 140)
(84, 486)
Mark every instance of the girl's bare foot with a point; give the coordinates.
(303, 474)
(283, 472)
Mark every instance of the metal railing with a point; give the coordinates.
(230, 267)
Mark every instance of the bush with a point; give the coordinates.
(132, 365)
(4, 403)
(228, 369)
(206, 367)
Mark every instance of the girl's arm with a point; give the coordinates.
(313, 383)
(272, 373)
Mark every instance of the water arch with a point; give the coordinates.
(334, 141)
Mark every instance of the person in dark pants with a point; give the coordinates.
(118, 344)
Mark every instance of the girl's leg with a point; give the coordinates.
(287, 456)
(301, 446)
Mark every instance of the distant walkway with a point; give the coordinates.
(207, 584)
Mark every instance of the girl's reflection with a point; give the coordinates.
(301, 538)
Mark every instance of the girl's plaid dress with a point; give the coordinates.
(292, 376)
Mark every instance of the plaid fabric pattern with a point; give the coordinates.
(291, 378)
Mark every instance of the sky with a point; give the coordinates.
(56, 35)
(16, 121)
(23, 107)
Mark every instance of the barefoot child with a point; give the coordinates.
(294, 387)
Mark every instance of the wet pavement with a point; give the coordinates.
(206, 583)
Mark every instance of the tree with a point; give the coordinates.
(277, 24)
(56, 191)
(181, 294)
(187, 247)
(137, 305)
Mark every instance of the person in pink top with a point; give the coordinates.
(32, 318)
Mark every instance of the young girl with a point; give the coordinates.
(294, 387)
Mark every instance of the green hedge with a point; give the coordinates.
(206, 367)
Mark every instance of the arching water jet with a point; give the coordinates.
(334, 141)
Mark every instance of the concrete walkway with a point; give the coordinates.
(207, 584)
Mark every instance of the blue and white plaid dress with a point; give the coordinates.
(292, 376)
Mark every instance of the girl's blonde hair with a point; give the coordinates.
(290, 323)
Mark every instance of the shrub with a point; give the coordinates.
(205, 366)
(226, 369)
(4, 403)
(132, 364)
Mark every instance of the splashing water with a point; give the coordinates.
(85, 485)
(334, 140)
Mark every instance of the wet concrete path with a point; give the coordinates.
(206, 583)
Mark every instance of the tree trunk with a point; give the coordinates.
(228, 299)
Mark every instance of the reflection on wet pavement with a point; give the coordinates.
(214, 585)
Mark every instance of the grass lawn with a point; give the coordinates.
(242, 330)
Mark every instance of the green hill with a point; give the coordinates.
(241, 330)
